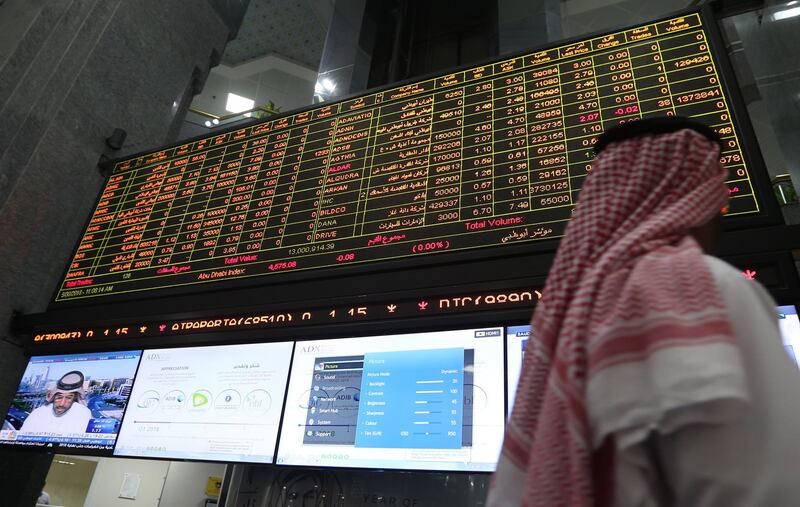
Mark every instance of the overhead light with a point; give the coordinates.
(215, 121)
(239, 104)
(208, 123)
(793, 2)
(786, 13)
(325, 85)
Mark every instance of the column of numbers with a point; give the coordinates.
(652, 86)
(286, 185)
(265, 208)
(258, 207)
(444, 165)
(614, 71)
(239, 201)
(313, 166)
(477, 194)
(697, 92)
(178, 211)
(511, 178)
(545, 132)
(196, 210)
(211, 226)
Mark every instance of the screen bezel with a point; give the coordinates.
(57, 447)
(385, 336)
(211, 460)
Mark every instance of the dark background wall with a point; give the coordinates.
(71, 72)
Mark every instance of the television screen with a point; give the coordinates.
(71, 402)
(207, 403)
(516, 338)
(425, 401)
(790, 330)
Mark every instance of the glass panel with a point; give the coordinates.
(582, 17)
(763, 48)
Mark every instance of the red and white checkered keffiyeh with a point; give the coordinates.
(628, 299)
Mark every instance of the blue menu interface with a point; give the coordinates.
(412, 399)
(392, 399)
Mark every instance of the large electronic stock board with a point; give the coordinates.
(487, 156)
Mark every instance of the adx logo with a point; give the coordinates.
(156, 356)
(310, 349)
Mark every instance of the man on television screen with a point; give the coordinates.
(63, 412)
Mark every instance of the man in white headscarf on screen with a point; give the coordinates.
(64, 412)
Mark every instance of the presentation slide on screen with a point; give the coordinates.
(209, 403)
(71, 401)
(790, 331)
(516, 339)
(425, 401)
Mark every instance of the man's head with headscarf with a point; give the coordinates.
(67, 391)
(705, 233)
(627, 266)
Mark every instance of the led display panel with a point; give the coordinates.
(425, 401)
(491, 155)
(71, 403)
(208, 403)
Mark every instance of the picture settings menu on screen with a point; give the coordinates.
(208, 403)
(487, 156)
(426, 401)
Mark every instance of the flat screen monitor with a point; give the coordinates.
(207, 403)
(425, 401)
(516, 339)
(71, 403)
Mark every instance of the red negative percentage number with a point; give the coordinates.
(278, 266)
(430, 246)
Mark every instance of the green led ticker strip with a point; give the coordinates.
(491, 155)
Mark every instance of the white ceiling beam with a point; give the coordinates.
(263, 64)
